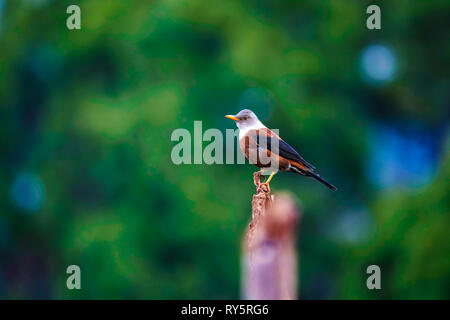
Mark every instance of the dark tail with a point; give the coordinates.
(322, 180)
(313, 175)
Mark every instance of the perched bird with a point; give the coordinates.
(258, 142)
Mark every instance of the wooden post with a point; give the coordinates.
(269, 255)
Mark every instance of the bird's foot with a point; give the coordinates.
(264, 186)
(257, 178)
(261, 186)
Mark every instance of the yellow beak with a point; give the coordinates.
(232, 117)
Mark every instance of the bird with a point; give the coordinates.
(257, 142)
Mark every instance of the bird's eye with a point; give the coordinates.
(245, 118)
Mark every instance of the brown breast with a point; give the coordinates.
(257, 155)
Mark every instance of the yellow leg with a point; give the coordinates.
(270, 178)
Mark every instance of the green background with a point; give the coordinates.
(86, 117)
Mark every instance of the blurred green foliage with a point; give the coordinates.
(90, 113)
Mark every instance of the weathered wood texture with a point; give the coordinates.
(269, 254)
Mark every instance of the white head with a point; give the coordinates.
(246, 120)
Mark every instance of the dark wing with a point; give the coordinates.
(285, 150)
